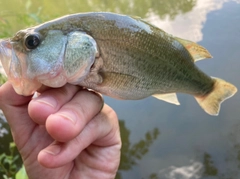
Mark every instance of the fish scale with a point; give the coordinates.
(125, 58)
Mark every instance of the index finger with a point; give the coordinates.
(50, 101)
(72, 117)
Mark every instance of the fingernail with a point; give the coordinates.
(46, 100)
(69, 116)
(53, 149)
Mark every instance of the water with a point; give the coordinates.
(161, 140)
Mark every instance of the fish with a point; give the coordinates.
(120, 56)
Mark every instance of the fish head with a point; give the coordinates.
(52, 58)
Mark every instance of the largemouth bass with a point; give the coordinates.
(117, 55)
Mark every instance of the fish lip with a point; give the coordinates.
(5, 43)
(2, 46)
(13, 68)
(5, 53)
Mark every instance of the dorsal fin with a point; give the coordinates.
(136, 17)
(197, 51)
(170, 98)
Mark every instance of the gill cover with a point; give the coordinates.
(53, 60)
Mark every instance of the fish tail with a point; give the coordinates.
(211, 102)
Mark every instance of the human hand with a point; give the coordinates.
(62, 134)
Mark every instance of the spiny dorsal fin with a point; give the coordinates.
(170, 98)
(197, 51)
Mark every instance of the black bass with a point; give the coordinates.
(117, 55)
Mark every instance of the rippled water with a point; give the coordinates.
(161, 140)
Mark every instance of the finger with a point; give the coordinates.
(9, 97)
(69, 121)
(102, 131)
(14, 107)
(50, 101)
(43, 88)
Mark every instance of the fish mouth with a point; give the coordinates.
(5, 54)
(13, 65)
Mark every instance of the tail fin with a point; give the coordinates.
(211, 102)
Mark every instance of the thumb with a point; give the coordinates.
(14, 107)
(8, 97)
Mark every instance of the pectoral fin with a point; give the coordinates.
(170, 98)
(197, 51)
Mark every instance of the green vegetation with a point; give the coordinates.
(3, 79)
(9, 21)
(8, 165)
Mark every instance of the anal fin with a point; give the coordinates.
(169, 97)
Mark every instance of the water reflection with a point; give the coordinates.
(132, 153)
(209, 168)
(192, 171)
(32, 12)
(188, 25)
(142, 8)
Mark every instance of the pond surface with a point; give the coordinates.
(160, 140)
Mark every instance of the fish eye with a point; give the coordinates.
(32, 41)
